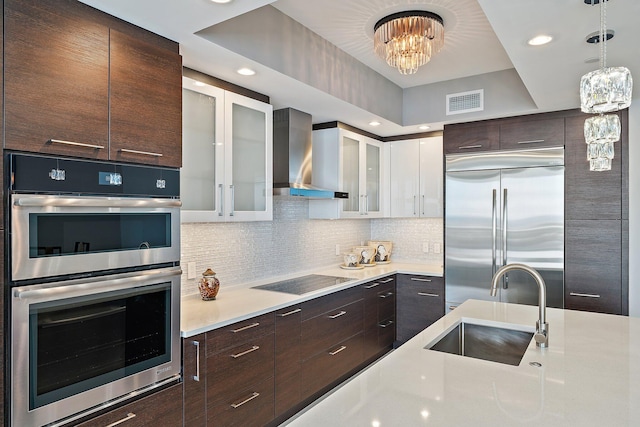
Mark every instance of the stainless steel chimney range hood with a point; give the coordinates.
(292, 140)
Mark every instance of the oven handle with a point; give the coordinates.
(115, 282)
(101, 202)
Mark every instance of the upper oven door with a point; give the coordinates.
(54, 235)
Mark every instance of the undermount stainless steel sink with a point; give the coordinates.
(484, 342)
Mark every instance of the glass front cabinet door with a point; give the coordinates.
(227, 148)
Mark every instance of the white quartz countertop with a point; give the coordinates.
(241, 302)
(589, 376)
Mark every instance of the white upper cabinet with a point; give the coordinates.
(227, 148)
(416, 178)
(348, 162)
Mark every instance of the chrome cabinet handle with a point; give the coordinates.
(533, 141)
(386, 325)
(427, 294)
(129, 416)
(414, 205)
(244, 328)
(494, 232)
(423, 204)
(578, 294)
(221, 187)
(248, 399)
(94, 202)
(467, 147)
(418, 279)
(335, 316)
(196, 377)
(251, 350)
(289, 313)
(505, 283)
(76, 144)
(373, 285)
(366, 204)
(387, 295)
(233, 199)
(390, 279)
(334, 352)
(144, 153)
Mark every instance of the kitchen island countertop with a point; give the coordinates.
(588, 376)
(239, 303)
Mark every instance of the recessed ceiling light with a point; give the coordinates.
(540, 40)
(221, 1)
(197, 83)
(374, 123)
(246, 71)
(423, 127)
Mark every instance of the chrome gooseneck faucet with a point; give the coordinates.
(542, 327)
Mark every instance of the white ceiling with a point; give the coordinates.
(481, 36)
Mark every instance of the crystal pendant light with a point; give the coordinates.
(602, 91)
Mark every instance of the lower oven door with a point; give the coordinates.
(80, 346)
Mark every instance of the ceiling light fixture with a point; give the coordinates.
(423, 127)
(374, 123)
(540, 40)
(605, 90)
(221, 1)
(246, 71)
(407, 40)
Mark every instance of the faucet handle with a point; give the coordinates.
(542, 334)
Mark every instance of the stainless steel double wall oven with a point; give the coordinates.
(94, 285)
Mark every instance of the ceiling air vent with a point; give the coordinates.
(465, 102)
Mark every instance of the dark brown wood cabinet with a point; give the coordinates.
(288, 364)
(527, 133)
(194, 381)
(420, 302)
(379, 316)
(471, 137)
(163, 408)
(81, 83)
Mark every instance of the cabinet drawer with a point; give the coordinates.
(428, 283)
(239, 333)
(386, 332)
(161, 408)
(386, 304)
(239, 367)
(252, 406)
(324, 331)
(532, 134)
(324, 304)
(462, 139)
(332, 364)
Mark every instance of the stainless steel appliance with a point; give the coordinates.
(304, 284)
(501, 208)
(95, 285)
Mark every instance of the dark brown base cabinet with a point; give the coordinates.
(596, 203)
(275, 364)
(420, 303)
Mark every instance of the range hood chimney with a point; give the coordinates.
(292, 140)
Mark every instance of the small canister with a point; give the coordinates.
(209, 285)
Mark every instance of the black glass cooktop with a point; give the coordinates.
(304, 284)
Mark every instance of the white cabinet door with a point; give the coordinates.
(227, 172)
(202, 173)
(416, 185)
(348, 162)
(249, 157)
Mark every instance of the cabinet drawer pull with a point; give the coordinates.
(289, 313)
(248, 399)
(129, 416)
(533, 141)
(221, 187)
(390, 279)
(577, 294)
(196, 377)
(427, 294)
(146, 153)
(387, 295)
(453, 307)
(77, 144)
(244, 328)
(373, 285)
(251, 350)
(418, 279)
(386, 325)
(467, 147)
(335, 316)
(334, 352)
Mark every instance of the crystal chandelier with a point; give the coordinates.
(407, 40)
(605, 90)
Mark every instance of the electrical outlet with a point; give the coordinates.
(337, 249)
(425, 247)
(191, 270)
(436, 248)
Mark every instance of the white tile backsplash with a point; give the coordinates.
(244, 252)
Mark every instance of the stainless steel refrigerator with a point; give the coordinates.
(501, 208)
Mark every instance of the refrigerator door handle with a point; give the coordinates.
(494, 233)
(505, 283)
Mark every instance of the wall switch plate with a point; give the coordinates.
(425, 247)
(436, 248)
(337, 249)
(191, 270)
